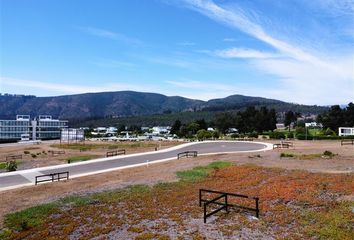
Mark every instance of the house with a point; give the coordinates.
(346, 131)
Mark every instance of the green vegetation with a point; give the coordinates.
(79, 158)
(11, 166)
(287, 155)
(26, 152)
(336, 222)
(337, 117)
(31, 217)
(200, 172)
(328, 154)
(312, 209)
(2, 165)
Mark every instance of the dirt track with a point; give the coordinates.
(14, 200)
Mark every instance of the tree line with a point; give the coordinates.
(251, 120)
(337, 117)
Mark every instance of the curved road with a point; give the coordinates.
(27, 177)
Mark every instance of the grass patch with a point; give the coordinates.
(287, 155)
(310, 156)
(79, 158)
(335, 223)
(31, 217)
(2, 165)
(199, 173)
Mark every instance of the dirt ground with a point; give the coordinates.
(39, 155)
(342, 162)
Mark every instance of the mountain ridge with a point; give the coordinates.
(132, 103)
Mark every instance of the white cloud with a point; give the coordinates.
(243, 53)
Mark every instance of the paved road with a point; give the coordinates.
(27, 177)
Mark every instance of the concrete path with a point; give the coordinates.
(22, 178)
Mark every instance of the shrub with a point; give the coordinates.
(11, 166)
(290, 135)
(276, 135)
(26, 152)
(328, 154)
(288, 155)
(252, 135)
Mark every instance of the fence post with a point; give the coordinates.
(52, 177)
(257, 207)
(200, 197)
(204, 212)
(226, 204)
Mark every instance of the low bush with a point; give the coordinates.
(287, 155)
(26, 152)
(11, 166)
(33, 155)
(276, 135)
(328, 154)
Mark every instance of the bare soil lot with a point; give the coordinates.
(286, 194)
(40, 155)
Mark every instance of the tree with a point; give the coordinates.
(202, 124)
(333, 118)
(203, 134)
(289, 118)
(223, 121)
(175, 129)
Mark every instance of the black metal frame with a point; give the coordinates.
(13, 157)
(187, 154)
(55, 153)
(281, 145)
(115, 153)
(225, 205)
(52, 177)
(347, 142)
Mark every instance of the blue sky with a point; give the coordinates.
(295, 50)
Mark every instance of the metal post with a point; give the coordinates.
(52, 177)
(257, 207)
(200, 197)
(226, 204)
(204, 212)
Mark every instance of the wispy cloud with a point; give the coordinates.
(243, 53)
(229, 40)
(186, 43)
(99, 32)
(304, 75)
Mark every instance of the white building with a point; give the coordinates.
(346, 131)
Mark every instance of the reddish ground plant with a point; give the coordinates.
(294, 205)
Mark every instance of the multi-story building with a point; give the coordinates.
(23, 128)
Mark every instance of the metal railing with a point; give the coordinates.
(347, 142)
(56, 153)
(187, 154)
(281, 145)
(115, 153)
(225, 205)
(13, 157)
(52, 177)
